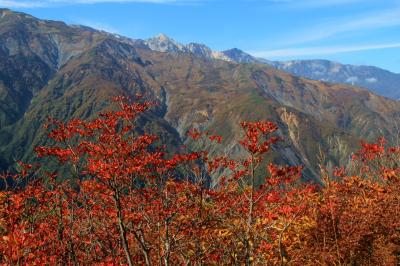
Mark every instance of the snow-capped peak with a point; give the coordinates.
(163, 43)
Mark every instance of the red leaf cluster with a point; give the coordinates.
(128, 202)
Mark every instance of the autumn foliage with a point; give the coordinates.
(121, 199)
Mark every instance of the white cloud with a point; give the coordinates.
(327, 3)
(49, 3)
(313, 3)
(324, 30)
(113, 1)
(321, 50)
(21, 4)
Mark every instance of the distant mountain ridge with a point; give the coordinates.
(163, 43)
(48, 68)
(377, 80)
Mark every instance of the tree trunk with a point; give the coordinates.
(122, 229)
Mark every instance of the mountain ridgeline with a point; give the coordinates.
(377, 80)
(50, 69)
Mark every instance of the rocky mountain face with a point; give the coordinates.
(163, 43)
(239, 56)
(50, 69)
(377, 80)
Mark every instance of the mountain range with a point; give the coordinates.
(377, 80)
(49, 68)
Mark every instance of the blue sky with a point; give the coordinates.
(350, 31)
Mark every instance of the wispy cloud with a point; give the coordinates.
(21, 4)
(97, 25)
(324, 3)
(49, 3)
(319, 3)
(330, 28)
(312, 3)
(317, 51)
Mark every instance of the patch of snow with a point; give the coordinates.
(319, 73)
(336, 68)
(371, 80)
(162, 37)
(288, 64)
(163, 43)
(165, 39)
(352, 79)
(200, 50)
(220, 56)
